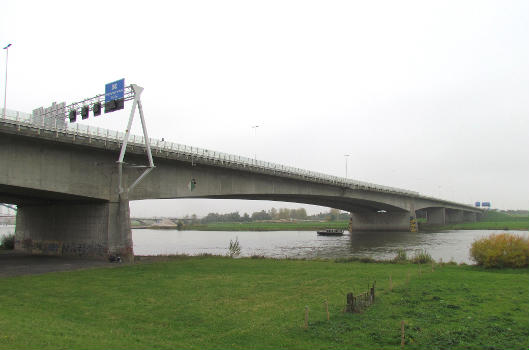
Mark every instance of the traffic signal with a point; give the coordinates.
(96, 108)
(73, 116)
(114, 105)
(84, 112)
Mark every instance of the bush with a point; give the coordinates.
(8, 241)
(421, 257)
(234, 248)
(401, 256)
(501, 250)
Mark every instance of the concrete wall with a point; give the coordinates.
(373, 221)
(454, 216)
(436, 216)
(88, 229)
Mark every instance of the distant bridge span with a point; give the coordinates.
(65, 183)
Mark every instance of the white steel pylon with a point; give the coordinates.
(136, 102)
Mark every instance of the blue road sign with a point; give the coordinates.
(478, 204)
(115, 90)
(485, 204)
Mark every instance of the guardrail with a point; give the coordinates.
(200, 153)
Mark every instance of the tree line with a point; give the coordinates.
(272, 214)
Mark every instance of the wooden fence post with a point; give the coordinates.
(350, 301)
(402, 334)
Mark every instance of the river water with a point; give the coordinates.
(448, 245)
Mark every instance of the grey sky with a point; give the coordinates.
(428, 96)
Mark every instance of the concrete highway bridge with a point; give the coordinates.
(65, 184)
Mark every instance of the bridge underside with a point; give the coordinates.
(52, 223)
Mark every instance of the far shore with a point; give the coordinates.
(317, 225)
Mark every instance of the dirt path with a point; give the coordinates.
(17, 264)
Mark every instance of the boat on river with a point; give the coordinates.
(331, 232)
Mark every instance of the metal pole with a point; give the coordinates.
(255, 129)
(346, 156)
(5, 88)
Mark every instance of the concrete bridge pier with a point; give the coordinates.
(96, 229)
(381, 221)
(470, 217)
(436, 216)
(454, 216)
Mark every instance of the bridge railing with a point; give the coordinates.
(196, 152)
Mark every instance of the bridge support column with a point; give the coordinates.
(469, 216)
(87, 230)
(454, 216)
(436, 216)
(374, 221)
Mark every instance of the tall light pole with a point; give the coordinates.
(346, 157)
(254, 127)
(5, 88)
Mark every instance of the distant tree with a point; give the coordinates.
(179, 225)
(246, 218)
(284, 213)
(299, 214)
(261, 215)
(274, 214)
(333, 214)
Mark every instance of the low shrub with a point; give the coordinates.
(501, 250)
(401, 256)
(8, 242)
(234, 248)
(421, 257)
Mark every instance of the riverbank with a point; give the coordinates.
(318, 225)
(216, 302)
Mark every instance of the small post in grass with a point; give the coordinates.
(402, 334)
(327, 309)
(390, 284)
(432, 266)
(349, 307)
(306, 317)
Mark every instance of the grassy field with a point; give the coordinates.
(221, 303)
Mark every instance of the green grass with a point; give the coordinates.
(268, 226)
(486, 225)
(492, 220)
(221, 303)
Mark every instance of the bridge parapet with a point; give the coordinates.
(194, 154)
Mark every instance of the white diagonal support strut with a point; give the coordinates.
(135, 103)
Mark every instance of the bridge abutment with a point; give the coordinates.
(385, 221)
(67, 229)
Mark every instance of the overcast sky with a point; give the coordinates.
(431, 96)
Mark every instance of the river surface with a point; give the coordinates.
(448, 245)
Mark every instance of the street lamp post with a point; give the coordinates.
(254, 127)
(346, 157)
(5, 88)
